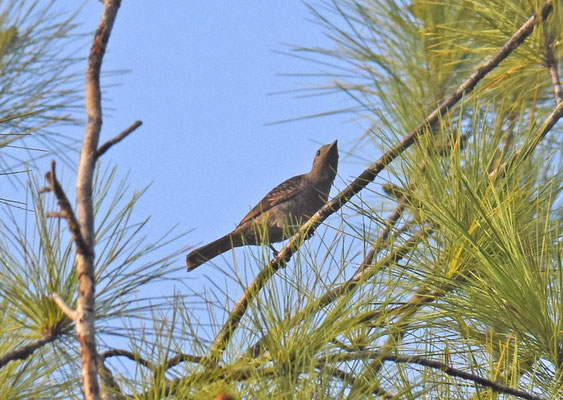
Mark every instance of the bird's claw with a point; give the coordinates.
(274, 250)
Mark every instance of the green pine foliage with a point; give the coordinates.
(450, 263)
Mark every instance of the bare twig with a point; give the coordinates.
(66, 211)
(349, 378)
(413, 359)
(180, 358)
(106, 146)
(127, 354)
(21, 353)
(85, 309)
(69, 312)
(54, 214)
(170, 363)
(430, 123)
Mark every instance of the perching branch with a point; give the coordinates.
(106, 146)
(361, 274)
(430, 123)
(327, 362)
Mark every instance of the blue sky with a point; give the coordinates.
(201, 75)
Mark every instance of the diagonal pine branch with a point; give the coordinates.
(430, 123)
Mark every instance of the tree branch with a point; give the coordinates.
(412, 359)
(430, 123)
(23, 352)
(85, 308)
(170, 363)
(110, 388)
(348, 378)
(106, 146)
(128, 354)
(361, 274)
(69, 312)
(66, 210)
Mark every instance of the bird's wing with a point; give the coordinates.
(281, 193)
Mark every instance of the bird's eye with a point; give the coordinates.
(318, 152)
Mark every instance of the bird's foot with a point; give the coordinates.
(274, 250)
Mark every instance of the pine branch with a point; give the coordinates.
(66, 212)
(85, 311)
(308, 229)
(129, 355)
(413, 359)
(347, 287)
(23, 352)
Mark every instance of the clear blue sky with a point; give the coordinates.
(200, 77)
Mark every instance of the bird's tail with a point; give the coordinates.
(205, 253)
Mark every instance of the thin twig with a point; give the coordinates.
(66, 211)
(69, 312)
(413, 359)
(21, 353)
(170, 363)
(54, 214)
(430, 123)
(180, 358)
(348, 378)
(106, 146)
(127, 354)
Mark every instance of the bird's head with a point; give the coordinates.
(325, 163)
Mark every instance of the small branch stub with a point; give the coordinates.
(69, 312)
(106, 146)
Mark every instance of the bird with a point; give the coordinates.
(281, 212)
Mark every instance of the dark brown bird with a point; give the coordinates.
(280, 214)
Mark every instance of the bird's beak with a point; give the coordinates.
(335, 143)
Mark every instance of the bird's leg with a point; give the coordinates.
(273, 249)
